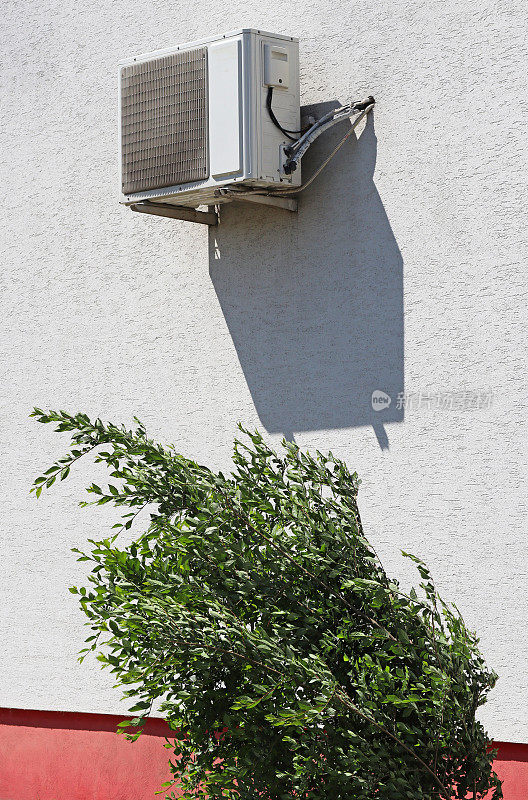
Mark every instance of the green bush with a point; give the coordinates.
(253, 609)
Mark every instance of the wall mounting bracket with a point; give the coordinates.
(176, 212)
(228, 195)
(288, 203)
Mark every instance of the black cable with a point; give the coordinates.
(274, 118)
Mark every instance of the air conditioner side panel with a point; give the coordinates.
(285, 104)
(225, 112)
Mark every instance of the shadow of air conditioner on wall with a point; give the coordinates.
(314, 301)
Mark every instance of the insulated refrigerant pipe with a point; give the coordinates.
(310, 137)
(307, 141)
(332, 118)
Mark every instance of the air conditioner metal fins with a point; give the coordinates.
(164, 121)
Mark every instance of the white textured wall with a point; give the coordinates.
(404, 269)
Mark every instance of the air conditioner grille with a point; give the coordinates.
(164, 121)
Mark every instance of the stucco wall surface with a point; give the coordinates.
(403, 271)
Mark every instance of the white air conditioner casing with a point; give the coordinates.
(193, 118)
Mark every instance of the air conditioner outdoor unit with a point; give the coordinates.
(207, 115)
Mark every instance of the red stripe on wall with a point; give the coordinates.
(55, 755)
(47, 755)
(511, 765)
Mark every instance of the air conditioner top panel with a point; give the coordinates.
(200, 42)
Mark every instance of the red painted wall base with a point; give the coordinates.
(48, 755)
(52, 755)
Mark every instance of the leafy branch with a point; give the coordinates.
(253, 611)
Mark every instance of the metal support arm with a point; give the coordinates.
(287, 203)
(176, 212)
